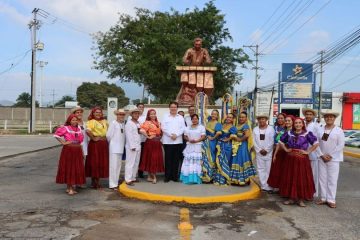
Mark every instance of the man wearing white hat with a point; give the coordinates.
(312, 126)
(263, 144)
(116, 138)
(330, 153)
(132, 146)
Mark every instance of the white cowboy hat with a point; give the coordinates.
(304, 110)
(262, 116)
(77, 108)
(116, 112)
(133, 109)
(329, 112)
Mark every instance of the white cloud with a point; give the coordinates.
(14, 14)
(256, 36)
(315, 41)
(90, 16)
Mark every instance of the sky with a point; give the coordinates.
(287, 31)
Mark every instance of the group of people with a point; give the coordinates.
(297, 159)
(305, 162)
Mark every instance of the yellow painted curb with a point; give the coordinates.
(352, 154)
(253, 193)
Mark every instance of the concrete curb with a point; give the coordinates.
(23, 153)
(253, 193)
(352, 154)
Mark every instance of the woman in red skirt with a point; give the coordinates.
(299, 183)
(276, 167)
(152, 161)
(97, 160)
(71, 165)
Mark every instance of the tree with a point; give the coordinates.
(24, 100)
(96, 94)
(61, 102)
(145, 49)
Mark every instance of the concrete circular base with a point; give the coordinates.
(193, 194)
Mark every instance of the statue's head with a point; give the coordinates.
(197, 43)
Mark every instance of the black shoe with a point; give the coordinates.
(176, 180)
(166, 180)
(141, 174)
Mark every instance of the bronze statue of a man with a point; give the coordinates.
(197, 56)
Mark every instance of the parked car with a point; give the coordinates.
(353, 139)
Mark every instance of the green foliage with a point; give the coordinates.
(96, 94)
(145, 49)
(24, 100)
(61, 102)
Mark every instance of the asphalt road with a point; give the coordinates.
(32, 206)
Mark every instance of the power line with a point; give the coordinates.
(342, 83)
(277, 19)
(301, 26)
(54, 19)
(13, 65)
(287, 18)
(344, 69)
(288, 23)
(269, 19)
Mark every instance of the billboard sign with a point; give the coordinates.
(297, 83)
(326, 100)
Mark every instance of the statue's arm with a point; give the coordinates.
(207, 58)
(187, 57)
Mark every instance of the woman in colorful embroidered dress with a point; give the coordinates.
(152, 161)
(191, 167)
(242, 168)
(209, 147)
(224, 150)
(299, 184)
(71, 164)
(280, 158)
(97, 160)
(276, 166)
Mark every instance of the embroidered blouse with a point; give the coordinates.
(70, 133)
(151, 128)
(298, 141)
(97, 128)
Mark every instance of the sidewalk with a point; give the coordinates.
(14, 145)
(352, 152)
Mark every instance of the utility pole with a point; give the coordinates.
(321, 82)
(53, 97)
(42, 64)
(256, 54)
(34, 25)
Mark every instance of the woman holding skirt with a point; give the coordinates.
(276, 167)
(279, 166)
(299, 185)
(209, 147)
(191, 167)
(242, 168)
(224, 151)
(97, 160)
(71, 166)
(153, 161)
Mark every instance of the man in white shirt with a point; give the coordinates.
(116, 138)
(173, 127)
(132, 147)
(330, 153)
(263, 144)
(312, 126)
(191, 111)
(142, 119)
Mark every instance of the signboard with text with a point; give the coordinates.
(297, 83)
(326, 100)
